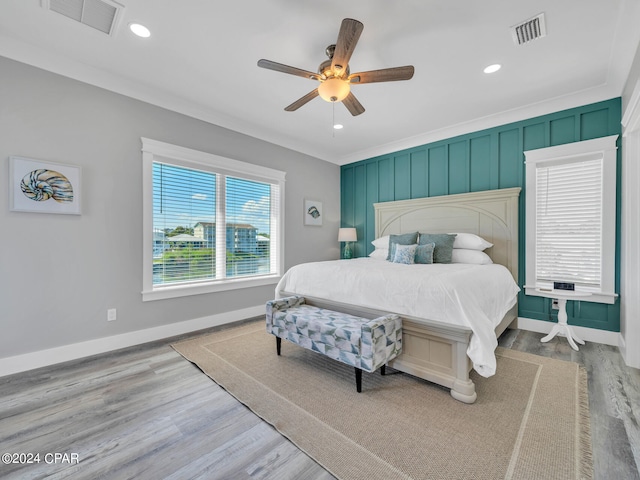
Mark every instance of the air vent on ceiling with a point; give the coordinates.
(99, 14)
(529, 30)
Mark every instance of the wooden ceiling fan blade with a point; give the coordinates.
(383, 75)
(301, 101)
(279, 67)
(348, 36)
(353, 105)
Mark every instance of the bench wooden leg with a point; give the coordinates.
(278, 344)
(358, 379)
(382, 370)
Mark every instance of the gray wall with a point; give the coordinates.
(60, 273)
(632, 79)
(629, 303)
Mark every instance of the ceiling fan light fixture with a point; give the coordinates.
(334, 75)
(334, 90)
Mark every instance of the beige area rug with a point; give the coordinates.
(531, 420)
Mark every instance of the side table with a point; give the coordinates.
(562, 328)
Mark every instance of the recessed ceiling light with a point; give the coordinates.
(139, 30)
(337, 126)
(492, 68)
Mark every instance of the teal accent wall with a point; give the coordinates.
(484, 160)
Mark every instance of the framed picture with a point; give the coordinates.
(313, 213)
(44, 187)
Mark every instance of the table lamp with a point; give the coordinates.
(347, 235)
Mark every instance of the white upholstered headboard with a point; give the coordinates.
(492, 214)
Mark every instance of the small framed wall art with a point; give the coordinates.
(43, 187)
(313, 213)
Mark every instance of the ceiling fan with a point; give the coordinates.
(334, 75)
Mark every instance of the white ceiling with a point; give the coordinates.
(201, 60)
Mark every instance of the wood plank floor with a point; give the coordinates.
(146, 413)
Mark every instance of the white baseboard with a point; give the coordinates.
(623, 350)
(587, 334)
(52, 356)
(631, 356)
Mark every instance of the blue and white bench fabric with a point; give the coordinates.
(362, 343)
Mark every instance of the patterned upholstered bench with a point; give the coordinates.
(362, 343)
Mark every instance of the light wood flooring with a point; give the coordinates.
(147, 413)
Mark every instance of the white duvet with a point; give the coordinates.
(474, 296)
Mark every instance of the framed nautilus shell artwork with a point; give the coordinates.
(43, 187)
(313, 213)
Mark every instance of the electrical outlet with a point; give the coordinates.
(554, 304)
(111, 315)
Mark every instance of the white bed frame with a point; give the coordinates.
(432, 350)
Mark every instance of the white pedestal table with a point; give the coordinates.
(562, 328)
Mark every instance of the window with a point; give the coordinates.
(210, 223)
(571, 217)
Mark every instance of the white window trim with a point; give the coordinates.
(154, 150)
(571, 152)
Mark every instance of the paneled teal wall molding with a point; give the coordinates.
(484, 160)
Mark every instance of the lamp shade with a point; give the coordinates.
(334, 90)
(347, 235)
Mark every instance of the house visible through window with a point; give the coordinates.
(571, 212)
(215, 223)
(182, 199)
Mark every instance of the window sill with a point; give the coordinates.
(175, 291)
(595, 297)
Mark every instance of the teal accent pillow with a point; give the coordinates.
(405, 254)
(424, 253)
(403, 239)
(444, 245)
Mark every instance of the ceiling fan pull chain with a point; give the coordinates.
(333, 119)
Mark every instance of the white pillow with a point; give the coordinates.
(476, 257)
(382, 242)
(470, 242)
(379, 254)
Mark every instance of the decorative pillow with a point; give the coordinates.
(382, 242)
(476, 257)
(404, 239)
(405, 254)
(471, 241)
(424, 253)
(444, 245)
(379, 253)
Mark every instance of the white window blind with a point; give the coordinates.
(209, 223)
(248, 227)
(569, 223)
(571, 218)
(184, 200)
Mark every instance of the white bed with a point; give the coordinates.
(445, 330)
